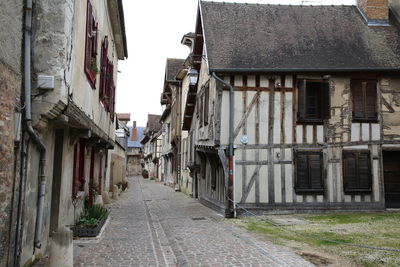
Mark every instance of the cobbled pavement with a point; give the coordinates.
(151, 225)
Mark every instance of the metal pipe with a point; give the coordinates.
(229, 183)
(28, 123)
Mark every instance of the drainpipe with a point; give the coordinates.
(28, 123)
(229, 182)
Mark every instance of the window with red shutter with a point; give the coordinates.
(357, 177)
(91, 46)
(309, 172)
(364, 98)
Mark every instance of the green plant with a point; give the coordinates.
(92, 216)
(94, 67)
(145, 173)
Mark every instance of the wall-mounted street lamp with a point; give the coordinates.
(193, 76)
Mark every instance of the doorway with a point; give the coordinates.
(391, 174)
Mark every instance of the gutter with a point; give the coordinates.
(229, 182)
(122, 21)
(28, 123)
(286, 70)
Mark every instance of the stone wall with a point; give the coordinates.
(10, 87)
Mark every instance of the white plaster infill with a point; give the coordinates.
(97, 239)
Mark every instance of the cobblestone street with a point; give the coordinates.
(151, 225)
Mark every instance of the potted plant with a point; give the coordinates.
(91, 222)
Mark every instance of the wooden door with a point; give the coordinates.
(391, 172)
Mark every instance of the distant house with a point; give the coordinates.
(297, 107)
(134, 150)
(151, 151)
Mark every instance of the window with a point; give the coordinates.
(364, 98)
(309, 172)
(206, 103)
(79, 167)
(356, 171)
(313, 101)
(91, 46)
(107, 88)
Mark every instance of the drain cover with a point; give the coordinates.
(198, 218)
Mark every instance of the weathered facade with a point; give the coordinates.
(171, 119)
(11, 15)
(152, 147)
(118, 167)
(68, 119)
(134, 151)
(313, 115)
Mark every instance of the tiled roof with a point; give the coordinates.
(153, 123)
(124, 116)
(172, 68)
(135, 142)
(253, 37)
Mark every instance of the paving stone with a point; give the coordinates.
(151, 225)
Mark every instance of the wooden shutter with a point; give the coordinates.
(88, 43)
(356, 171)
(81, 167)
(315, 171)
(326, 105)
(75, 179)
(370, 100)
(358, 103)
(350, 170)
(103, 71)
(301, 102)
(302, 171)
(364, 171)
(206, 103)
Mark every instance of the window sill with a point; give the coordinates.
(309, 191)
(357, 191)
(371, 120)
(310, 121)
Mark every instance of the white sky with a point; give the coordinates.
(154, 31)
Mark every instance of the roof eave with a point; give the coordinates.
(287, 70)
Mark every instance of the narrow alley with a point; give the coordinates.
(151, 225)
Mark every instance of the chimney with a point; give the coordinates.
(375, 11)
(134, 124)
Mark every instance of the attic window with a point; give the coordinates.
(313, 101)
(91, 46)
(364, 97)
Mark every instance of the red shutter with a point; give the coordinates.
(90, 46)
(103, 71)
(81, 167)
(75, 179)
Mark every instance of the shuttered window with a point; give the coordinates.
(91, 69)
(309, 172)
(356, 171)
(107, 87)
(364, 98)
(313, 101)
(206, 103)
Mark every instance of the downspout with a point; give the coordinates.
(230, 206)
(28, 122)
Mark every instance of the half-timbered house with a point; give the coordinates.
(297, 107)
